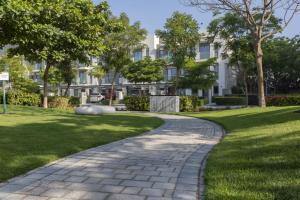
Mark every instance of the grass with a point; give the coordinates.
(259, 158)
(33, 137)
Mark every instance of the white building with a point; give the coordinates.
(88, 84)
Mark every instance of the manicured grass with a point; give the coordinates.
(259, 158)
(33, 137)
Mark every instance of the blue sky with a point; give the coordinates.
(153, 13)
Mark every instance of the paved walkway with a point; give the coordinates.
(161, 164)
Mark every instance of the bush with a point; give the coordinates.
(283, 100)
(188, 103)
(230, 100)
(74, 101)
(58, 102)
(137, 103)
(18, 97)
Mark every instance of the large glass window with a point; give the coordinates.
(204, 51)
(171, 74)
(137, 55)
(216, 70)
(82, 77)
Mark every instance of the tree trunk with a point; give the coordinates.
(46, 74)
(260, 73)
(112, 88)
(67, 89)
(246, 87)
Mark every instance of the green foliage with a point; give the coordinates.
(18, 97)
(58, 102)
(283, 100)
(19, 72)
(63, 103)
(179, 38)
(145, 71)
(230, 100)
(54, 31)
(137, 103)
(282, 61)
(187, 103)
(198, 75)
(74, 101)
(97, 72)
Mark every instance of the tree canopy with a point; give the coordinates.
(179, 37)
(145, 71)
(54, 31)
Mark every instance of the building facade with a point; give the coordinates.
(153, 48)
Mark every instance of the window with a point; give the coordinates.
(162, 53)
(216, 52)
(216, 90)
(137, 55)
(204, 51)
(171, 74)
(216, 70)
(148, 52)
(82, 77)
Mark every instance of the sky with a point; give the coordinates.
(153, 13)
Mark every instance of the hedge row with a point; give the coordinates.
(137, 103)
(142, 103)
(230, 100)
(283, 100)
(18, 97)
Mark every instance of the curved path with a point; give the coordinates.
(162, 164)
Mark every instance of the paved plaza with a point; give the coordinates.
(162, 164)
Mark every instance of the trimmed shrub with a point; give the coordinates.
(137, 103)
(74, 101)
(283, 100)
(188, 103)
(230, 100)
(58, 102)
(18, 97)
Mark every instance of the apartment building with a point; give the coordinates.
(154, 48)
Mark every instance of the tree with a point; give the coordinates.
(120, 45)
(198, 75)
(258, 16)
(54, 31)
(282, 61)
(179, 38)
(19, 72)
(145, 71)
(68, 70)
(238, 47)
(97, 72)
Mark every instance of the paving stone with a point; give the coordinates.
(152, 192)
(131, 190)
(55, 193)
(95, 196)
(137, 183)
(111, 189)
(169, 186)
(76, 179)
(159, 179)
(125, 197)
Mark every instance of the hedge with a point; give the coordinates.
(137, 103)
(18, 97)
(230, 100)
(61, 102)
(142, 103)
(283, 100)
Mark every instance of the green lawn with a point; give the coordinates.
(259, 158)
(33, 137)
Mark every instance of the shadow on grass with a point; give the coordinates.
(29, 140)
